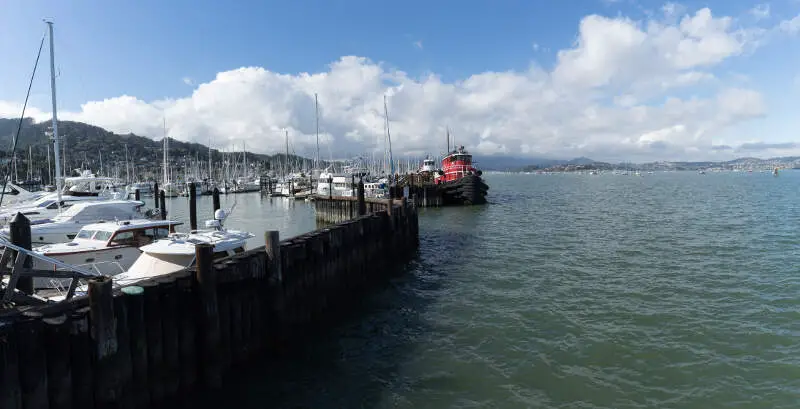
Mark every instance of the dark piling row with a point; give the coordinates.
(163, 340)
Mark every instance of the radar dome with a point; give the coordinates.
(220, 214)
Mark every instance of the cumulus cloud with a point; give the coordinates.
(623, 90)
(760, 11)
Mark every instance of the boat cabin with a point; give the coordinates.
(135, 233)
(456, 165)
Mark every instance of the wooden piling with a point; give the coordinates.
(136, 195)
(32, 360)
(10, 390)
(162, 196)
(80, 346)
(208, 315)
(155, 346)
(133, 296)
(215, 197)
(169, 331)
(59, 375)
(155, 194)
(186, 331)
(20, 234)
(273, 249)
(104, 336)
(192, 206)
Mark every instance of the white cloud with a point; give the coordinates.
(187, 81)
(623, 90)
(760, 11)
(418, 44)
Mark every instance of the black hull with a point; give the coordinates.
(469, 190)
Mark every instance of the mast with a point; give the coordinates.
(448, 141)
(286, 168)
(166, 177)
(30, 163)
(389, 138)
(127, 166)
(316, 115)
(55, 117)
(209, 162)
(49, 166)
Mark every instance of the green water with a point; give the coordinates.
(672, 290)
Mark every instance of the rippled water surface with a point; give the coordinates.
(672, 290)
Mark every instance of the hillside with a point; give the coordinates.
(85, 144)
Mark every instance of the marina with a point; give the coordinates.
(259, 228)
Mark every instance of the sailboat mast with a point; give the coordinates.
(316, 115)
(55, 117)
(49, 166)
(127, 166)
(389, 138)
(286, 169)
(166, 177)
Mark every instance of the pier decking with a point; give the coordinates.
(164, 339)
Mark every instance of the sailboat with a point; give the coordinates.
(170, 189)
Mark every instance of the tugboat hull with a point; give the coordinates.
(468, 190)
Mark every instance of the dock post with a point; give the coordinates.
(134, 305)
(162, 196)
(208, 316)
(155, 193)
(33, 365)
(20, 232)
(80, 358)
(273, 247)
(155, 345)
(104, 333)
(362, 205)
(10, 393)
(192, 206)
(59, 376)
(215, 197)
(330, 187)
(137, 195)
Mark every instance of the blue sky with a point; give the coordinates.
(146, 49)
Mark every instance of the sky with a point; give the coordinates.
(615, 80)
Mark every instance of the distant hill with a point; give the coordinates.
(85, 144)
(512, 163)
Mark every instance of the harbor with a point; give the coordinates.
(161, 339)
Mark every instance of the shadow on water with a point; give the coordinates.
(358, 362)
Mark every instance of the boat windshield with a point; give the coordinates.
(85, 234)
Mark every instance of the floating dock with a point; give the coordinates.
(165, 339)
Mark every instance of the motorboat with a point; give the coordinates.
(177, 251)
(107, 248)
(66, 225)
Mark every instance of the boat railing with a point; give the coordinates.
(16, 262)
(58, 285)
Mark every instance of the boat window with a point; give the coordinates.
(85, 234)
(52, 206)
(238, 250)
(47, 204)
(123, 238)
(102, 235)
(220, 254)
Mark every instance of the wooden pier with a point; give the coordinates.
(164, 339)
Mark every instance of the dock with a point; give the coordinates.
(163, 340)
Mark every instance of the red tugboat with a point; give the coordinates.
(459, 181)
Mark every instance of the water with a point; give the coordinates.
(672, 290)
(251, 212)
